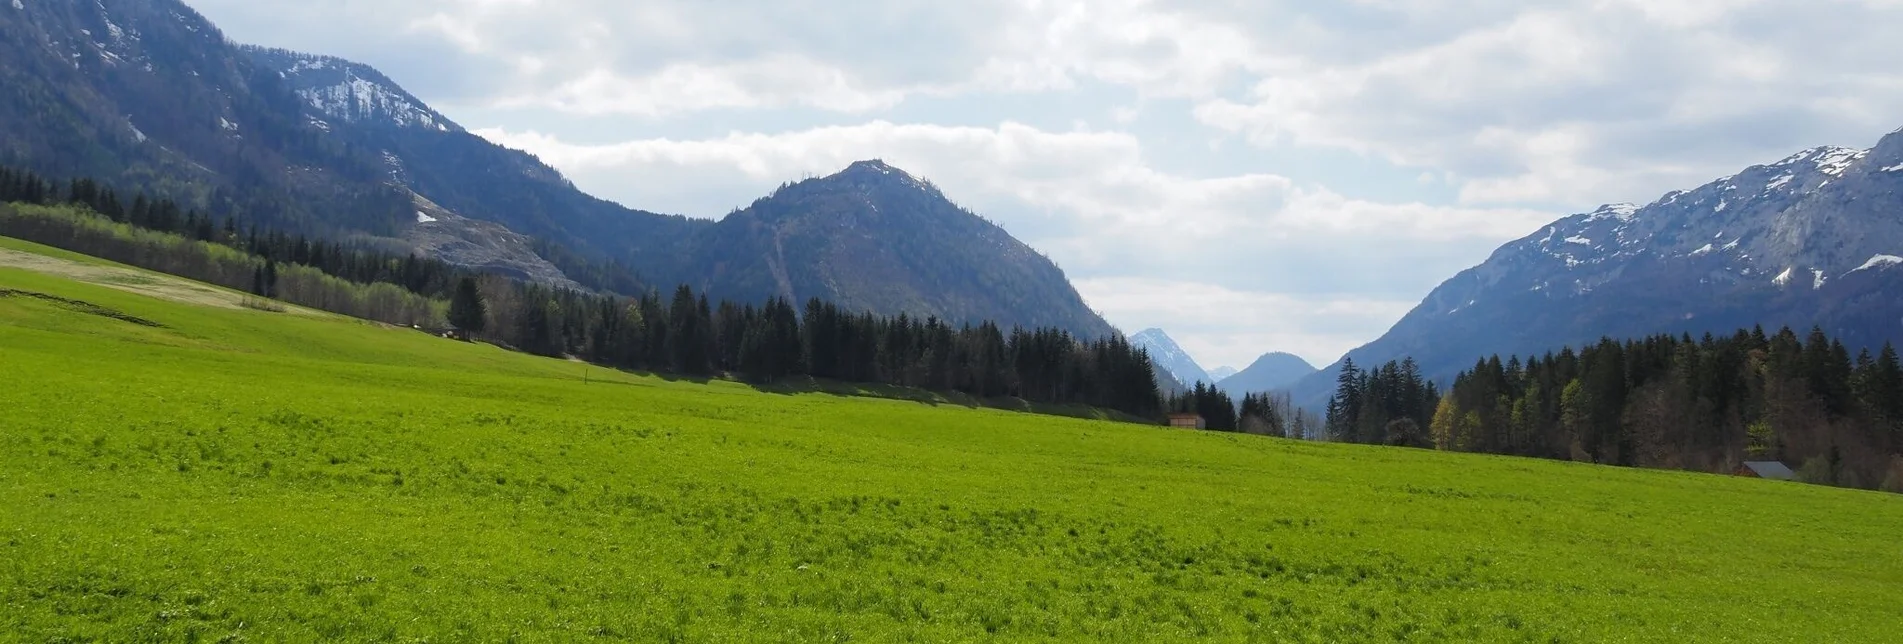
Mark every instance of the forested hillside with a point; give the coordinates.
(1666, 401)
(150, 95)
(146, 96)
(686, 334)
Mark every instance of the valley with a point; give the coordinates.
(201, 480)
(287, 353)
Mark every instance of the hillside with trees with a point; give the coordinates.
(684, 334)
(1667, 401)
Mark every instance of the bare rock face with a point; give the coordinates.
(480, 245)
(1815, 239)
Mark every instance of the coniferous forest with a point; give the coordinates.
(681, 334)
(1670, 402)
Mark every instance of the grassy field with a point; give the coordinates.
(243, 475)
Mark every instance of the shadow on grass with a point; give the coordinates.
(804, 385)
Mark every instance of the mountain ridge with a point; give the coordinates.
(1165, 353)
(148, 96)
(1273, 371)
(1798, 242)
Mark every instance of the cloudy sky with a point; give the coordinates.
(1251, 175)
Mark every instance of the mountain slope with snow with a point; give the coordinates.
(350, 92)
(1165, 353)
(1813, 239)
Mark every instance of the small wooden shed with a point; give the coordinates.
(1187, 421)
(1766, 470)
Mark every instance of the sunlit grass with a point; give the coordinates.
(250, 474)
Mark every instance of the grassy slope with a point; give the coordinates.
(275, 476)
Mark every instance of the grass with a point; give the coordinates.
(240, 475)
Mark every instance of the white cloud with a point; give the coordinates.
(778, 81)
(1585, 102)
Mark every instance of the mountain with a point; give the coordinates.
(1164, 352)
(1271, 372)
(875, 238)
(1222, 373)
(439, 161)
(1815, 239)
(147, 95)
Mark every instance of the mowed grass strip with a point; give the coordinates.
(260, 476)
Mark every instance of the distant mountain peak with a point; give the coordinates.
(1272, 371)
(1810, 239)
(874, 237)
(1165, 353)
(875, 165)
(877, 171)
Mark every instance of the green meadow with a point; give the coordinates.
(187, 471)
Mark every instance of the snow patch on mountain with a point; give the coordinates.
(423, 218)
(358, 99)
(354, 93)
(1833, 161)
(1623, 211)
(1879, 261)
(1784, 277)
(1165, 353)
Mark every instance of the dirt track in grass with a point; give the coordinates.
(134, 280)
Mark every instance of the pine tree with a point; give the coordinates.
(467, 311)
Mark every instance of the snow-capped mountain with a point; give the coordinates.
(1222, 373)
(1172, 358)
(350, 92)
(1813, 239)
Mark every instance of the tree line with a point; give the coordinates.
(1387, 405)
(685, 334)
(688, 335)
(362, 263)
(1666, 401)
(1706, 405)
(78, 229)
(1261, 414)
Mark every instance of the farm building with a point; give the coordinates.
(1187, 421)
(1767, 470)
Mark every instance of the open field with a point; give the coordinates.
(244, 475)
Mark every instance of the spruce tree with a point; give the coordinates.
(467, 312)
